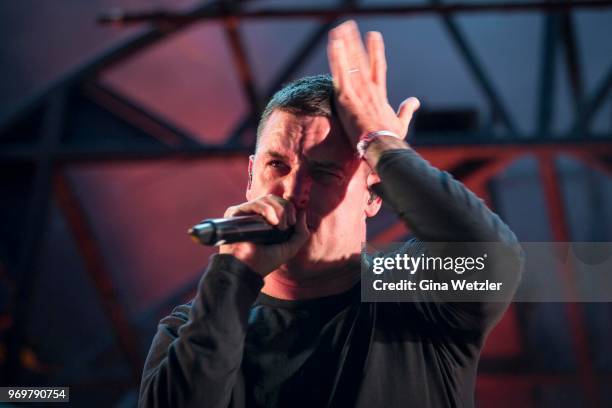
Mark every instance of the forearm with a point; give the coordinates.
(439, 208)
(433, 204)
(196, 354)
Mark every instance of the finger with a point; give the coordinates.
(343, 69)
(345, 85)
(333, 59)
(257, 207)
(357, 55)
(285, 209)
(278, 204)
(339, 64)
(360, 76)
(339, 58)
(291, 212)
(378, 62)
(407, 109)
(230, 211)
(269, 213)
(301, 232)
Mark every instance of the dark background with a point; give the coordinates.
(115, 139)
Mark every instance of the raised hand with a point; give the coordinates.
(360, 78)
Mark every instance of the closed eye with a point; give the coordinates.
(327, 175)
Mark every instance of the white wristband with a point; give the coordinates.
(365, 141)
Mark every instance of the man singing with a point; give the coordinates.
(283, 325)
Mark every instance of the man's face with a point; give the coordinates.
(308, 161)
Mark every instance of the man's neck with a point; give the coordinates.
(282, 284)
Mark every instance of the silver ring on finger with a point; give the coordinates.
(352, 71)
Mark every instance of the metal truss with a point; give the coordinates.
(41, 135)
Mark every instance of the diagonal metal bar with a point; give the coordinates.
(299, 58)
(37, 213)
(572, 57)
(302, 54)
(478, 72)
(241, 62)
(138, 116)
(598, 162)
(477, 176)
(550, 34)
(557, 216)
(588, 108)
(105, 60)
(95, 266)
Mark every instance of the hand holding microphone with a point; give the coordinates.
(243, 228)
(265, 219)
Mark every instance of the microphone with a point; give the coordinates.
(244, 228)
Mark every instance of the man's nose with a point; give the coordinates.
(297, 189)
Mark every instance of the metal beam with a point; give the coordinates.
(39, 205)
(572, 57)
(557, 216)
(113, 55)
(132, 113)
(79, 154)
(241, 62)
(588, 108)
(478, 72)
(485, 144)
(476, 177)
(92, 257)
(596, 162)
(550, 34)
(298, 59)
(169, 17)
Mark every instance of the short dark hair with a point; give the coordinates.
(311, 95)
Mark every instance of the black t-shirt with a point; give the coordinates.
(292, 349)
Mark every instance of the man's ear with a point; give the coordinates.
(248, 189)
(374, 201)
